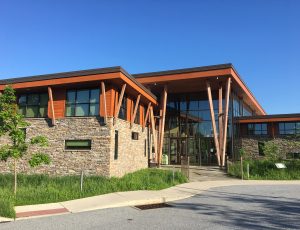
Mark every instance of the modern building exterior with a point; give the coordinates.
(108, 122)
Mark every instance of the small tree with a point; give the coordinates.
(271, 151)
(13, 125)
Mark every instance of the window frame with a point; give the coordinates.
(67, 148)
(296, 131)
(38, 105)
(89, 103)
(260, 131)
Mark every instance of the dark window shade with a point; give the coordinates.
(78, 144)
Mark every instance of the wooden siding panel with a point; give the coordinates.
(59, 102)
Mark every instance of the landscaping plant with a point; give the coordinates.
(12, 126)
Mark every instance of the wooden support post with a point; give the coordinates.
(136, 107)
(146, 116)
(221, 118)
(51, 104)
(163, 120)
(104, 101)
(119, 103)
(153, 132)
(228, 84)
(212, 115)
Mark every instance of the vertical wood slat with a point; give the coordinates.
(119, 103)
(146, 116)
(51, 104)
(221, 118)
(136, 107)
(104, 101)
(153, 131)
(212, 115)
(228, 84)
(163, 121)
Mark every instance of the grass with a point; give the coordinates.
(39, 189)
(266, 170)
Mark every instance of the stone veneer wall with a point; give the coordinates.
(250, 144)
(131, 153)
(97, 161)
(66, 162)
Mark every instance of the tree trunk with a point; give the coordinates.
(15, 172)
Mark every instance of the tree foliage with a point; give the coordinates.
(13, 125)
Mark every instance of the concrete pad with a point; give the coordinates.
(38, 207)
(93, 203)
(4, 219)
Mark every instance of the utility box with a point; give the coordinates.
(165, 159)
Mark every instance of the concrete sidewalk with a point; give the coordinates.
(133, 198)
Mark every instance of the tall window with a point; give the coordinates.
(137, 116)
(290, 128)
(123, 109)
(82, 103)
(257, 129)
(33, 105)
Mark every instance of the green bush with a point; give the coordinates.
(266, 170)
(38, 189)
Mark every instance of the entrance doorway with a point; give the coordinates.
(200, 150)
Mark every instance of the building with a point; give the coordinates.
(108, 122)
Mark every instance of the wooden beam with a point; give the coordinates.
(153, 131)
(146, 116)
(136, 107)
(51, 104)
(163, 120)
(119, 103)
(212, 115)
(228, 84)
(221, 117)
(104, 101)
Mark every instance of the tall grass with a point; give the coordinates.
(266, 170)
(39, 189)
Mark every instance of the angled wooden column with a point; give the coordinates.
(153, 132)
(163, 121)
(146, 116)
(212, 115)
(225, 123)
(119, 103)
(137, 103)
(51, 105)
(104, 101)
(221, 118)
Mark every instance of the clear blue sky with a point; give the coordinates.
(261, 39)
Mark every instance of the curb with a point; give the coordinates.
(131, 198)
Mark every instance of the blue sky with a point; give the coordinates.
(261, 39)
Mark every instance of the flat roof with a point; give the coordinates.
(269, 118)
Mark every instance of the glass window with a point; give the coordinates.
(78, 144)
(33, 105)
(258, 129)
(289, 128)
(137, 116)
(82, 103)
(123, 109)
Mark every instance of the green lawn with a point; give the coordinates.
(266, 170)
(38, 189)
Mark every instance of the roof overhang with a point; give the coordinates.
(183, 80)
(269, 118)
(116, 75)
